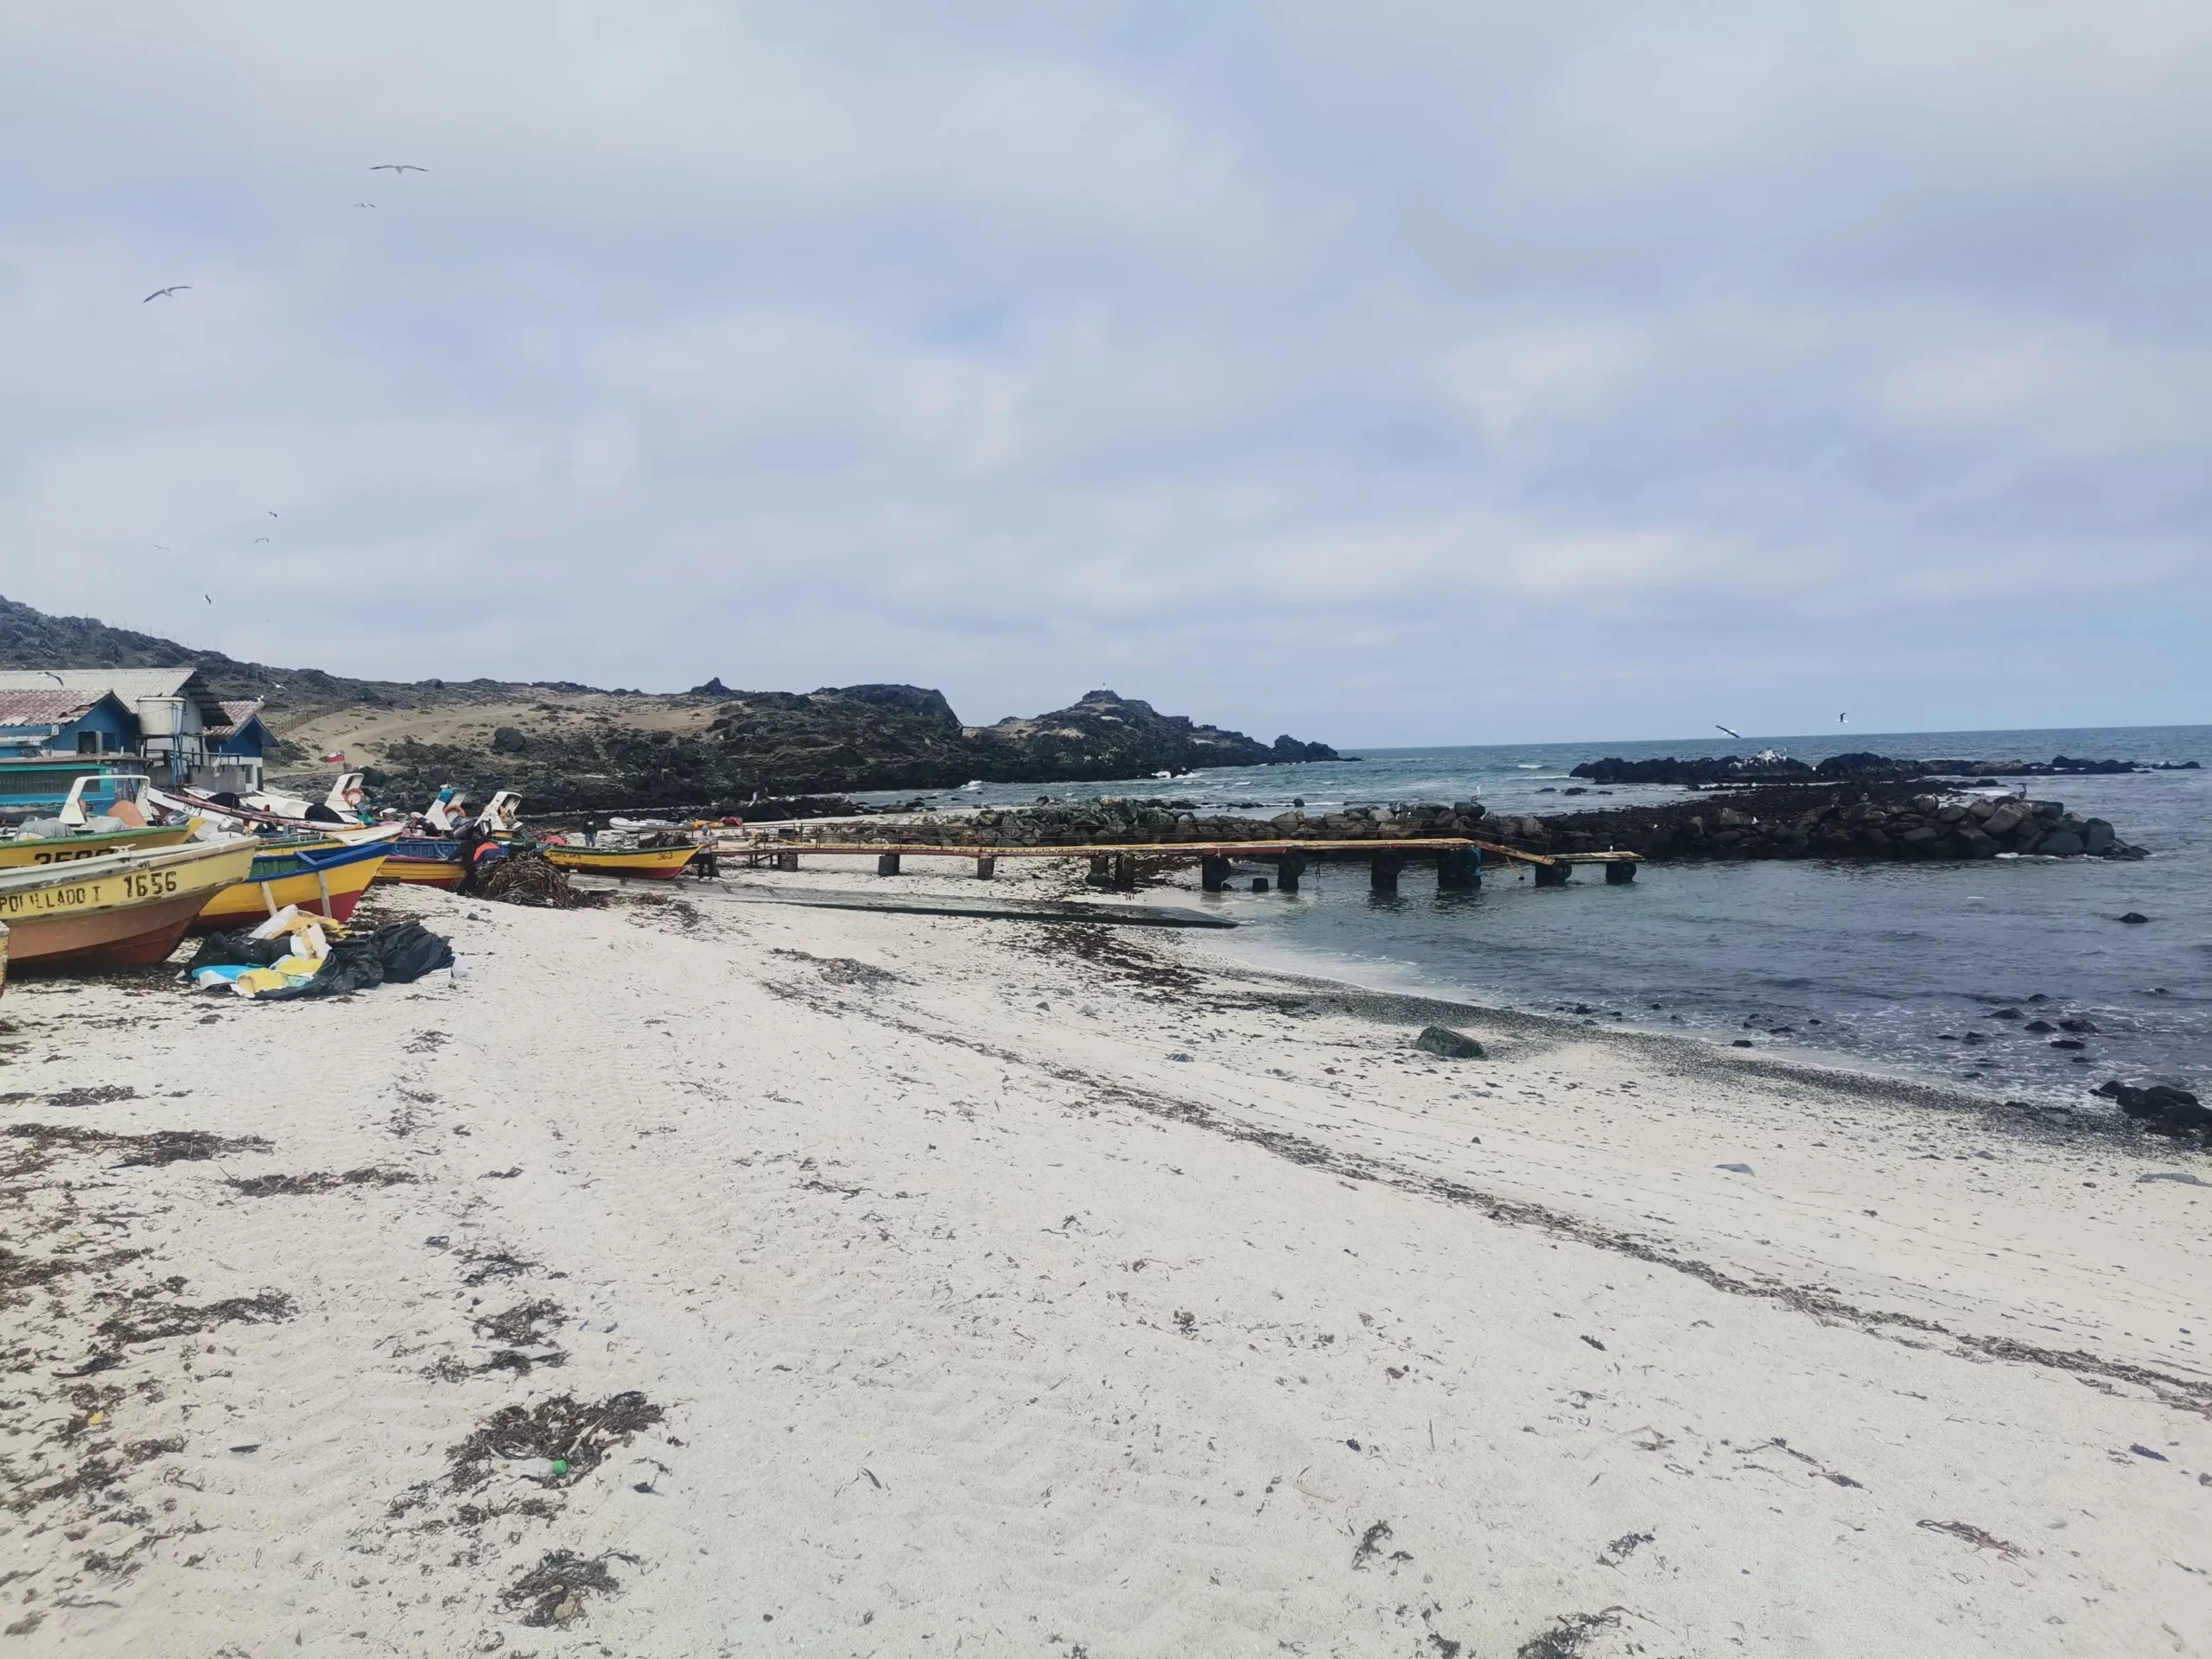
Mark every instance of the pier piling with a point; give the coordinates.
(1101, 868)
(787, 861)
(887, 863)
(1554, 876)
(1458, 872)
(1213, 872)
(1125, 871)
(1382, 872)
(986, 868)
(1289, 868)
(1619, 875)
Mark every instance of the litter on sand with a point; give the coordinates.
(291, 955)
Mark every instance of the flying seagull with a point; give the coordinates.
(1718, 728)
(176, 289)
(365, 204)
(259, 539)
(271, 512)
(208, 598)
(396, 167)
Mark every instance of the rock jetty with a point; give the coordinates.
(1859, 766)
(1806, 822)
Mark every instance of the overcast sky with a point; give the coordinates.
(1396, 372)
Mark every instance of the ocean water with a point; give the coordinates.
(1884, 967)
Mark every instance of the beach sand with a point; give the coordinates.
(901, 1285)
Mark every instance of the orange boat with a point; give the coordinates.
(119, 911)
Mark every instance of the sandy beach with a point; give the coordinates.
(901, 1284)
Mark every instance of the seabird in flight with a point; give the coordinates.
(397, 166)
(1718, 728)
(177, 287)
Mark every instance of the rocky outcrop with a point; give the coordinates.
(2160, 1106)
(1859, 766)
(1816, 821)
(831, 743)
(905, 737)
(1807, 822)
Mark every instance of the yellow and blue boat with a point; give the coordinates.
(322, 877)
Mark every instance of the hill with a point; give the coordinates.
(567, 747)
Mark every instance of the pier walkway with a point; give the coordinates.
(1458, 859)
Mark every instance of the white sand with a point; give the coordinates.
(982, 1323)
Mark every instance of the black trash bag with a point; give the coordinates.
(409, 950)
(402, 953)
(239, 950)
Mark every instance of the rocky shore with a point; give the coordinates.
(1859, 766)
(1807, 820)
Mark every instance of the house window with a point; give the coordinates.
(88, 742)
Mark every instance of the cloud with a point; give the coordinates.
(1435, 372)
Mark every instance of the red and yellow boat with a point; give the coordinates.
(121, 910)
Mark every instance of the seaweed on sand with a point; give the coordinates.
(575, 1433)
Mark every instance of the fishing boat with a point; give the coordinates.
(101, 813)
(424, 860)
(119, 910)
(654, 863)
(40, 784)
(340, 809)
(323, 877)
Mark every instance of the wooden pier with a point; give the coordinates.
(1458, 859)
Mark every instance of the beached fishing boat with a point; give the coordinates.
(654, 863)
(101, 813)
(424, 860)
(118, 911)
(31, 852)
(340, 809)
(325, 877)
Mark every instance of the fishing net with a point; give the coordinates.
(528, 878)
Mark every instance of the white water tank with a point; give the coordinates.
(160, 716)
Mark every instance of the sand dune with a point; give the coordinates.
(904, 1285)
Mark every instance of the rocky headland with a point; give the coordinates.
(832, 741)
(569, 747)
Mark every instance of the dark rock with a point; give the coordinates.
(2063, 843)
(2135, 916)
(2067, 1042)
(2039, 1026)
(1443, 1042)
(2079, 1025)
(2005, 1013)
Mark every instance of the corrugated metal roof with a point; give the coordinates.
(128, 684)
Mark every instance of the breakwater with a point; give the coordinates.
(1805, 821)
